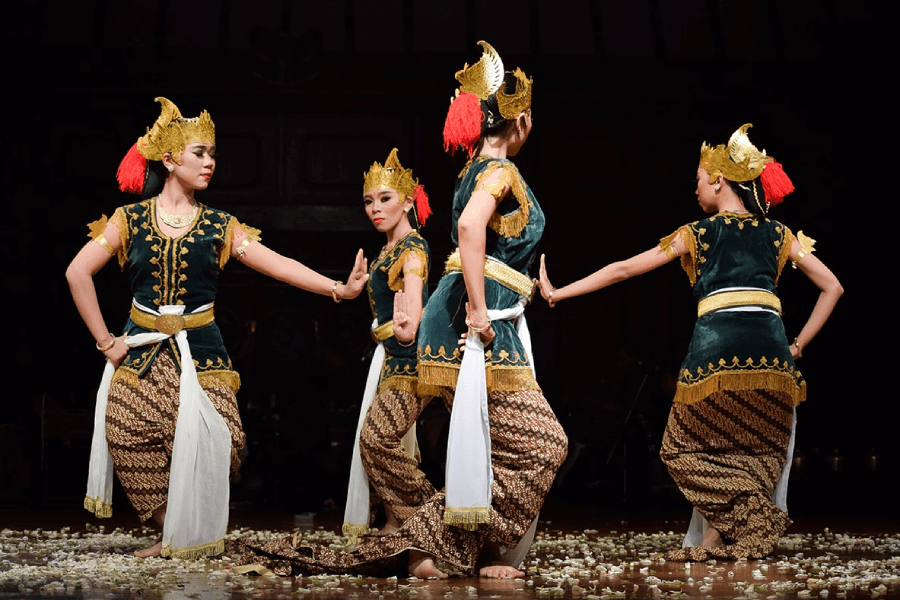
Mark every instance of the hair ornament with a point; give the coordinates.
(519, 101)
(392, 175)
(169, 134)
(741, 161)
(484, 77)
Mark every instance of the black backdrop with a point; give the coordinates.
(306, 96)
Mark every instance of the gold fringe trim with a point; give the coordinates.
(740, 381)
(127, 376)
(354, 531)
(120, 221)
(207, 379)
(689, 258)
(466, 518)
(433, 377)
(253, 234)
(401, 383)
(395, 273)
(787, 240)
(211, 379)
(96, 505)
(511, 225)
(194, 552)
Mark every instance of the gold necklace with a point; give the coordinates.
(174, 220)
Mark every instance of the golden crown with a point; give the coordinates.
(391, 175)
(739, 161)
(171, 132)
(485, 78)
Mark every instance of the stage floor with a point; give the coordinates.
(69, 554)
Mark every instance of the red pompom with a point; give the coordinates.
(775, 182)
(131, 171)
(423, 209)
(462, 128)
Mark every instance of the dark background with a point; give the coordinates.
(306, 95)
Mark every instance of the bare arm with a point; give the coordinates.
(268, 262)
(831, 291)
(610, 274)
(472, 231)
(408, 301)
(80, 275)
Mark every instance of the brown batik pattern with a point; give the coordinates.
(140, 431)
(394, 475)
(528, 445)
(726, 453)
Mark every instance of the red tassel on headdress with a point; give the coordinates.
(775, 182)
(131, 171)
(462, 128)
(423, 209)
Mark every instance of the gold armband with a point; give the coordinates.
(101, 239)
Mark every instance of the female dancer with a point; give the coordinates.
(511, 467)
(384, 456)
(171, 365)
(730, 424)
(497, 478)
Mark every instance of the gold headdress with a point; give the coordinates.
(486, 77)
(739, 161)
(512, 104)
(171, 132)
(391, 175)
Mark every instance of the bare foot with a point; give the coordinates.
(712, 539)
(151, 551)
(391, 525)
(388, 529)
(500, 572)
(421, 565)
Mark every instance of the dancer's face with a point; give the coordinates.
(384, 208)
(198, 163)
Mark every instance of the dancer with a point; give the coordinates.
(511, 467)
(171, 366)
(385, 453)
(732, 418)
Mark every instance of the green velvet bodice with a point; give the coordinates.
(512, 237)
(385, 279)
(736, 349)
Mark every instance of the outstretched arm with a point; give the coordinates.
(80, 275)
(268, 262)
(610, 274)
(831, 291)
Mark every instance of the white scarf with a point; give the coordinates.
(197, 505)
(469, 472)
(356, 513)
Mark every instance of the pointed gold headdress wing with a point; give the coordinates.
(739, 161)
(391, 175)
(171, 132)
(485, 78)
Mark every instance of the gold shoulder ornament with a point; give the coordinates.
(807, 246)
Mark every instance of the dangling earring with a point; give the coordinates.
(170, 168)
(718, 187)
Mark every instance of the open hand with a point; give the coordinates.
(404, 325)
(358, 277)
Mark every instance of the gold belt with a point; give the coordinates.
(171, 324)
(499, 272)
(383, 331)
(738, 298)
